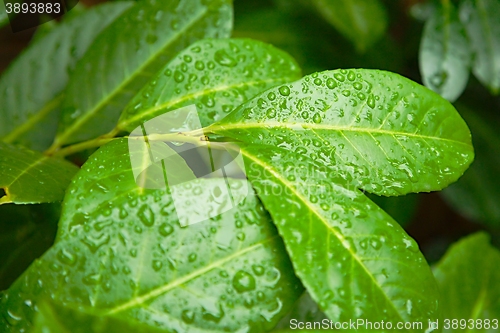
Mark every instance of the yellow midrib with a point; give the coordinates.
(172, 284)
(304, 126)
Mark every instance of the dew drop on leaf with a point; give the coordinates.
(284, 90)
(146, 215)
(243, 282)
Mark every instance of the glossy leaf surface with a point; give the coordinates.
(128, 54)
(476, 195)
(54, 318)
(31, 88)
(482, 21)
(352, 257)
(27, 176)
(362, 21)
(216, 75)
(445, 55)
(468, 278)
(129, 258)
(379, 131)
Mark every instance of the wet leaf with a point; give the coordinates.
(468, 278)
(129, 258)
(363, 22)
(216, 75)
(445, 54)
(476, 195)
(353, 258)
(379, 131)
(128, 54)
(54, 318)
(482, 22)
(27, 176)
(31, 88)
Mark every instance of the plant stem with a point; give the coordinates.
(79, 147)
(195, 137)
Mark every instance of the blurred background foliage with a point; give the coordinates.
(415, 38)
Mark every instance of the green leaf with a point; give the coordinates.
(97, 183)
(353, 258)
(128, 54)
(129, 258)
(363, 22)
(482, 22)
(27, 176)
(476, 195)
(31, 88)
(381, 132)
(26, 232)
(54, 318)
(216, 75)
(468, 278)
(445, 56)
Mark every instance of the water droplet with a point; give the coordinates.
(157, 265)
(258, 270)
(331, 83)
(224, 59)
(243, 281)
(66, 257)
(339, 77)
(317, 118)
(146, 215)
(178, 76)
(351, 76)
(371, 101)
(187, 316)
(271, 112)
(284, 90)
(192, 257)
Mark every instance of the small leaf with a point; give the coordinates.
(128, 54)
(445, 55)
(477, 193)
(361, 21)
(27, 176)
(354, 259)
(54, 318)
(31, 88)
(468, 278)
(26, 232)
(129, 258)
(379, 131)
(482, 22)
(216, 75)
